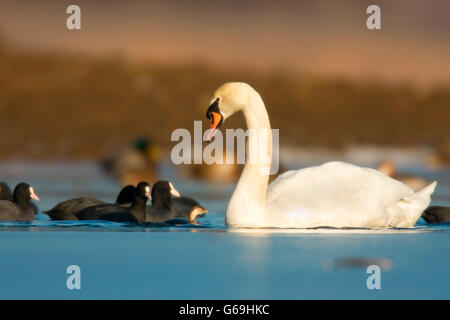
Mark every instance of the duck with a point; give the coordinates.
(436, 214)
(20, 209)
(415, 182)
(168, 204)
(67, 210)
(135, 163)
(335, 194)
(5, 192)
(117, 213)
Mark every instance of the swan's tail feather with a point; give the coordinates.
(421, 202)
(406, 212)
(428, 190)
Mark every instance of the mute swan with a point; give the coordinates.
(335, 194)
(20, 209)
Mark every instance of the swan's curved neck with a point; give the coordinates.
(247, 203)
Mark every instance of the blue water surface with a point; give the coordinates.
(209, 260)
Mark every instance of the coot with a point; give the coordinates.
(117, 213)
(436, 214)
(20, 209)
(5, 192)
(66, 210)
(168, 204)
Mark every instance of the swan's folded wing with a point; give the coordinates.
(336, 193)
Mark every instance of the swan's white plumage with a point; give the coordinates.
(335, 194)
(339, 194)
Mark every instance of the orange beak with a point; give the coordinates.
(215, 120)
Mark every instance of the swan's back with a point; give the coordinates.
(340, 195)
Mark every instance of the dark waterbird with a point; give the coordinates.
(117, 213)
(21, 208)
(436, 214)
(67, 210)
(168, 204)
(126, 195)
(5, 192)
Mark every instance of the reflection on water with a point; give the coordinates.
(209, 260)
(357, 262)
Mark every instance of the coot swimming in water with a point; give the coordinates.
(126, 196)
(66, 210)
(20, 209)
(5, 192)
(168, 204)
(117, 213)
(436, 214)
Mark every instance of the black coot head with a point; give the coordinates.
(162, 191)
(143, 190)
(24, 192)
(126, 195)
(5, 192)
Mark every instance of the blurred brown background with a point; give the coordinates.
(145, 68)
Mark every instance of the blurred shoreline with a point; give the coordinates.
(325, 37)
(60, 106)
